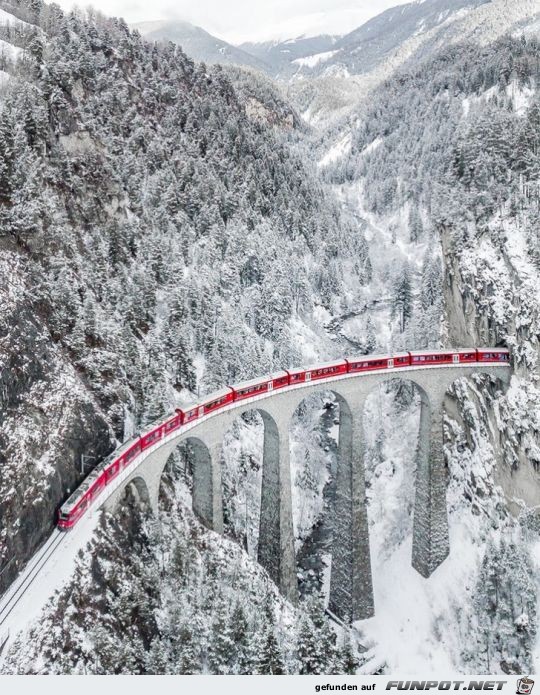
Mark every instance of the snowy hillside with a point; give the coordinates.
(443, 164)
(420, 30)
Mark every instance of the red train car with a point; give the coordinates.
(190, 414)
(493, 355)
(466, 356)
(296, 376)
(151, 436)
(325, 371)
(174, 423)
(429, 359)
(217, 400)
(257, 387)
(400, 359)
(368, 363)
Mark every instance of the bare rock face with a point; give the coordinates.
(47, 420)
(258, 112)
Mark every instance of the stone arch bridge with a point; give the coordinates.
(351, 592)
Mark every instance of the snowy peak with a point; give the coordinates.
(366, 47)
(198, 43)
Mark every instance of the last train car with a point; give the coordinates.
(493, 355)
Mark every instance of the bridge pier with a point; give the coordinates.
(276, 535)
(431, 544)
(351, 587)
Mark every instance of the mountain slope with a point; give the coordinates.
(146, 219)
(443, 162)
(286, 57)
(483, 22)
(199, 44)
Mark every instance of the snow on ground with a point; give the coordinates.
(312, 61)
(337, 151)
(8, 51)
(522, 97)
(414, 626)
(535, 555)
(56, 572)
(7, 18)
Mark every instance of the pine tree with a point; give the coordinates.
(271, 660)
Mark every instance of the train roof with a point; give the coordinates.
(326, 365)
(260, 380)
(215, 396)
(370, 358)
(89, 481)
(447, 351)
(498, 349)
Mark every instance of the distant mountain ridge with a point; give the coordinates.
(363, 49)
(199, 44)
(281, 55)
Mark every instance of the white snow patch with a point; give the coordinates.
(9, 51)
(337, 151)
(56, 572)
(521, 96)
(8, 19)
(313, 60)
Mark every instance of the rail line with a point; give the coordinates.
(9, 601)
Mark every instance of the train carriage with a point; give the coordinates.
(151, 435)
(399, 360)
(191, 413)
(296, 376)
(493, 355)
(217, 400)
(367, 363)
(256, 387)
(420, 359)
(466, 356)
(173, 423)
(325, 371)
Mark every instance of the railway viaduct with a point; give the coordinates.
(351, 592)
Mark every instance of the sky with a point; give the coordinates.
(244, 20)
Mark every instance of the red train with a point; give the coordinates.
(72, 510)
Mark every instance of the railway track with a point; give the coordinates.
(13, 596)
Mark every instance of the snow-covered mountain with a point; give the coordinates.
(363, 49)
(421, 29)
(285, 57)
(199, 44)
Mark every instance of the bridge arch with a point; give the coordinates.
(139, 489)
(199, 468)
